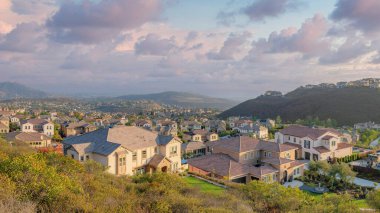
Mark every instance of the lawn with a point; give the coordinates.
(359, 203)
(203, 185)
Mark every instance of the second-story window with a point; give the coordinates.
(143, 154)
(173, 150)
(306, 144)
(134, 156)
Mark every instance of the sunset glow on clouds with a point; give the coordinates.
(234, 49)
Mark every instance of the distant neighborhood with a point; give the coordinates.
(132, 138)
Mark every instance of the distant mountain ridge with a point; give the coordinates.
(347, 105)
(183, 99)
(10, 90)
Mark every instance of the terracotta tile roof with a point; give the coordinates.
(3, 126)
(327, 137)
(105, 141)
(298, 163)
(276, 161)
(239, 144)
(321, 149)
(220, 164)
(200, 132)
(258, 172)
(192, 146)
(275, 147)
(344, 145)
(35, 121)
(303, 131)
(26, 136)
(297, 146)
(156, 160)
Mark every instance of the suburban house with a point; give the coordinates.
(200, 135)
(257, 131)
(126, 150)
(241, 123)
(4, 124)
(191, 126)
(144, 123)
(215, 125)
(268, 123)
(193, 149)
(167, 127)
(38, 125)
(77, 128)
(33, 139)
(315, 143)
(242, 159)
(16, 119)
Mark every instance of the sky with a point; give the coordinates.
(235, 49)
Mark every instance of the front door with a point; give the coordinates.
(307, 155)
(122, 169)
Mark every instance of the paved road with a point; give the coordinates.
(363, 182)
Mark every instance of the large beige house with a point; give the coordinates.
(38, 125)
(127, 150)
(4, 124)
(242, 159)
(315, 143)
(77, 128)
(33, 139)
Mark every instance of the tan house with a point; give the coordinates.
(4, 124)
(77, 128)
(33, 139)
(242, 159)
(315, 143)
(200, 135)
(38, 125)
(127, 150)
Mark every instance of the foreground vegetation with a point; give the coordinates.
(48, 182)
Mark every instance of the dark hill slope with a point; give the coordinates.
(9, 90)
(346, 105)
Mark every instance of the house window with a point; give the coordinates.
(140, 171)
(173, 150)
(245, 156)
(81, 158)
(156, 150)
(297, 171)
(333, 143)
(72, 156)
(287, 155)
(175, 166)
(252, 155)
(294, 140)
(122, 161)
(306, 144)
(143, 154)
(87, 157)
(134, 156)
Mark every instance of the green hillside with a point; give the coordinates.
(38, 182)
(345, 105)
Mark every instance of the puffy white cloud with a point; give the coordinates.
(90, 22)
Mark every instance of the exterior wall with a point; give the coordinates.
(27, 127)
(288, 154)
(343, 152)
(174, 157)
(250, 157)
(233, 155)
(212, 137)
(48, 129)
(35, 144)
(198, 171)
(140, 161)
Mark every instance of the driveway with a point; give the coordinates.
(293, 184)
(364, 182)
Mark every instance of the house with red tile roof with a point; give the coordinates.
(315, 143)
(242, 159)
